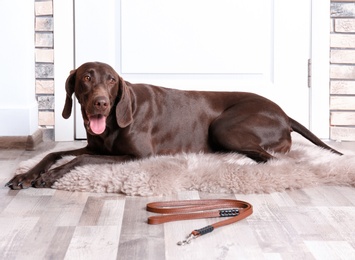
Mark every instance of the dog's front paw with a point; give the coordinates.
(47, 179)
(43, 181)
(21, 181)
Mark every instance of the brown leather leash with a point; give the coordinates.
(195, 209)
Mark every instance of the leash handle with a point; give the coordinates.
(196, 209)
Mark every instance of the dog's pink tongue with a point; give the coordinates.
(98, 124)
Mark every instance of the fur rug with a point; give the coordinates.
(304, 166)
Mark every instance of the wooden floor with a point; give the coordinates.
(313, 223)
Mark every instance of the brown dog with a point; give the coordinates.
(127, 121)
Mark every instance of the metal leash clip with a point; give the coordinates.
(187, 240)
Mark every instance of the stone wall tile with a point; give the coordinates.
(44, 24)
(45, 102)
(342, 9)
(45, 86)
(46, 118)
(344, 25)
(44, 39)
(45, 55)
(43, 8)
(44, 71)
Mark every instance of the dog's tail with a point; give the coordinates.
(297, 127)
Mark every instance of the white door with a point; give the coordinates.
(260, 46)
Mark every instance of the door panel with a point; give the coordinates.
(259, 46)
(195, 37)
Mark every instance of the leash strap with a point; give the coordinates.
(196, 209)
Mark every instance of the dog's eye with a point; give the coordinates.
(112, 80)
(87, 78)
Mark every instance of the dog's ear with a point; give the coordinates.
(124, 112)
(69, 88)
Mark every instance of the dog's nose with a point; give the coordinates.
(101, 103)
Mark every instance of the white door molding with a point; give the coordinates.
(64, 62)
(319, 94)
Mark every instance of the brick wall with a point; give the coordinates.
(342, 70)
(44, 66)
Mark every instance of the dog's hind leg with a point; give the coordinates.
(234, 140)
(250, 134)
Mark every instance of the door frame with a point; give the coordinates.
(319, 93)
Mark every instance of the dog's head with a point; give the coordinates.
(98, 88)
